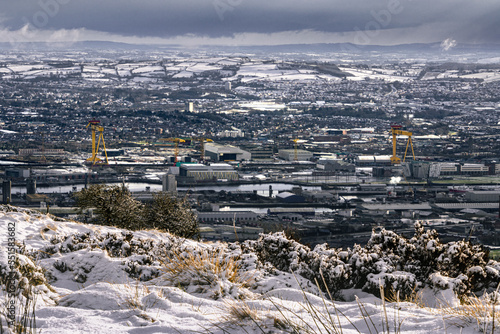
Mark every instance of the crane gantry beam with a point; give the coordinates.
(96, 127)
(396, 130)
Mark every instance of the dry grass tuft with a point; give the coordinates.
(239, 315)
(415, 297)
(47, 228)
(319, 320)
(239, 311)
(25, 318)
(480, 310)
(135, 294)
(327, 318)
(205, 266)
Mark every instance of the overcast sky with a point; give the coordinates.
(251, 22)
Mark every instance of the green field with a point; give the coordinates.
(470, 180)
(495, 254)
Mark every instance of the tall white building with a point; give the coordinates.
(169, 184)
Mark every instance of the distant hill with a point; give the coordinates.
(284, 48)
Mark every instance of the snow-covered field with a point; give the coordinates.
(231, 68)
(378, 74)
(94, 279)
(486, 76)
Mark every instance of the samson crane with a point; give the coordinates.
(295, 155)
(396, 130)
(94, 160)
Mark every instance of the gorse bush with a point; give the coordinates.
(388, 259)
(115, 206)
(172, 215)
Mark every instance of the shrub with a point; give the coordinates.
(115, 206)
(388, 260)
(169, 214)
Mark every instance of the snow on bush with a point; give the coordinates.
(388, 260)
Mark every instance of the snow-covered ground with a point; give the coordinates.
(107, 280)
(232, 68)
(378, 74)
(487, 76)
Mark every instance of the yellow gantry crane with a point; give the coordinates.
(396, 130)
(202, 146)
(295, 155)
(176, 141)
(96, 127)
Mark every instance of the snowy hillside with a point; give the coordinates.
(94, 279)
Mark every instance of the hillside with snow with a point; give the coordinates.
(95, 279)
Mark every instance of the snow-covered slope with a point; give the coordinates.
(93, 279)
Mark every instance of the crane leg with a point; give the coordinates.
(413, 152)
(407, 143)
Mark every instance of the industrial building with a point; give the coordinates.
(291, 155)
(39, 152)
(373, 160)
(262, 152)
(464, 169)
(61, 175)
(335, 166)
(288, 197)
(229, 233)
(227, 216)
(486, 206)
(200, 172)
(482, 196)
(217, 152)
(17, 173)
(421, 169)
(288, 211)
(399, 209)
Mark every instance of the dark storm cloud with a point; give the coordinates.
(222, 18)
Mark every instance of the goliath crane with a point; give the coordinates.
(202, 146)
(176, 141)
(96, 127)
(396, 130)
(295, 155)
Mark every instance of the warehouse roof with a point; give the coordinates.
(217, 148)
(461, 206)
(289, 210)
(212, 167)
(397, 206)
